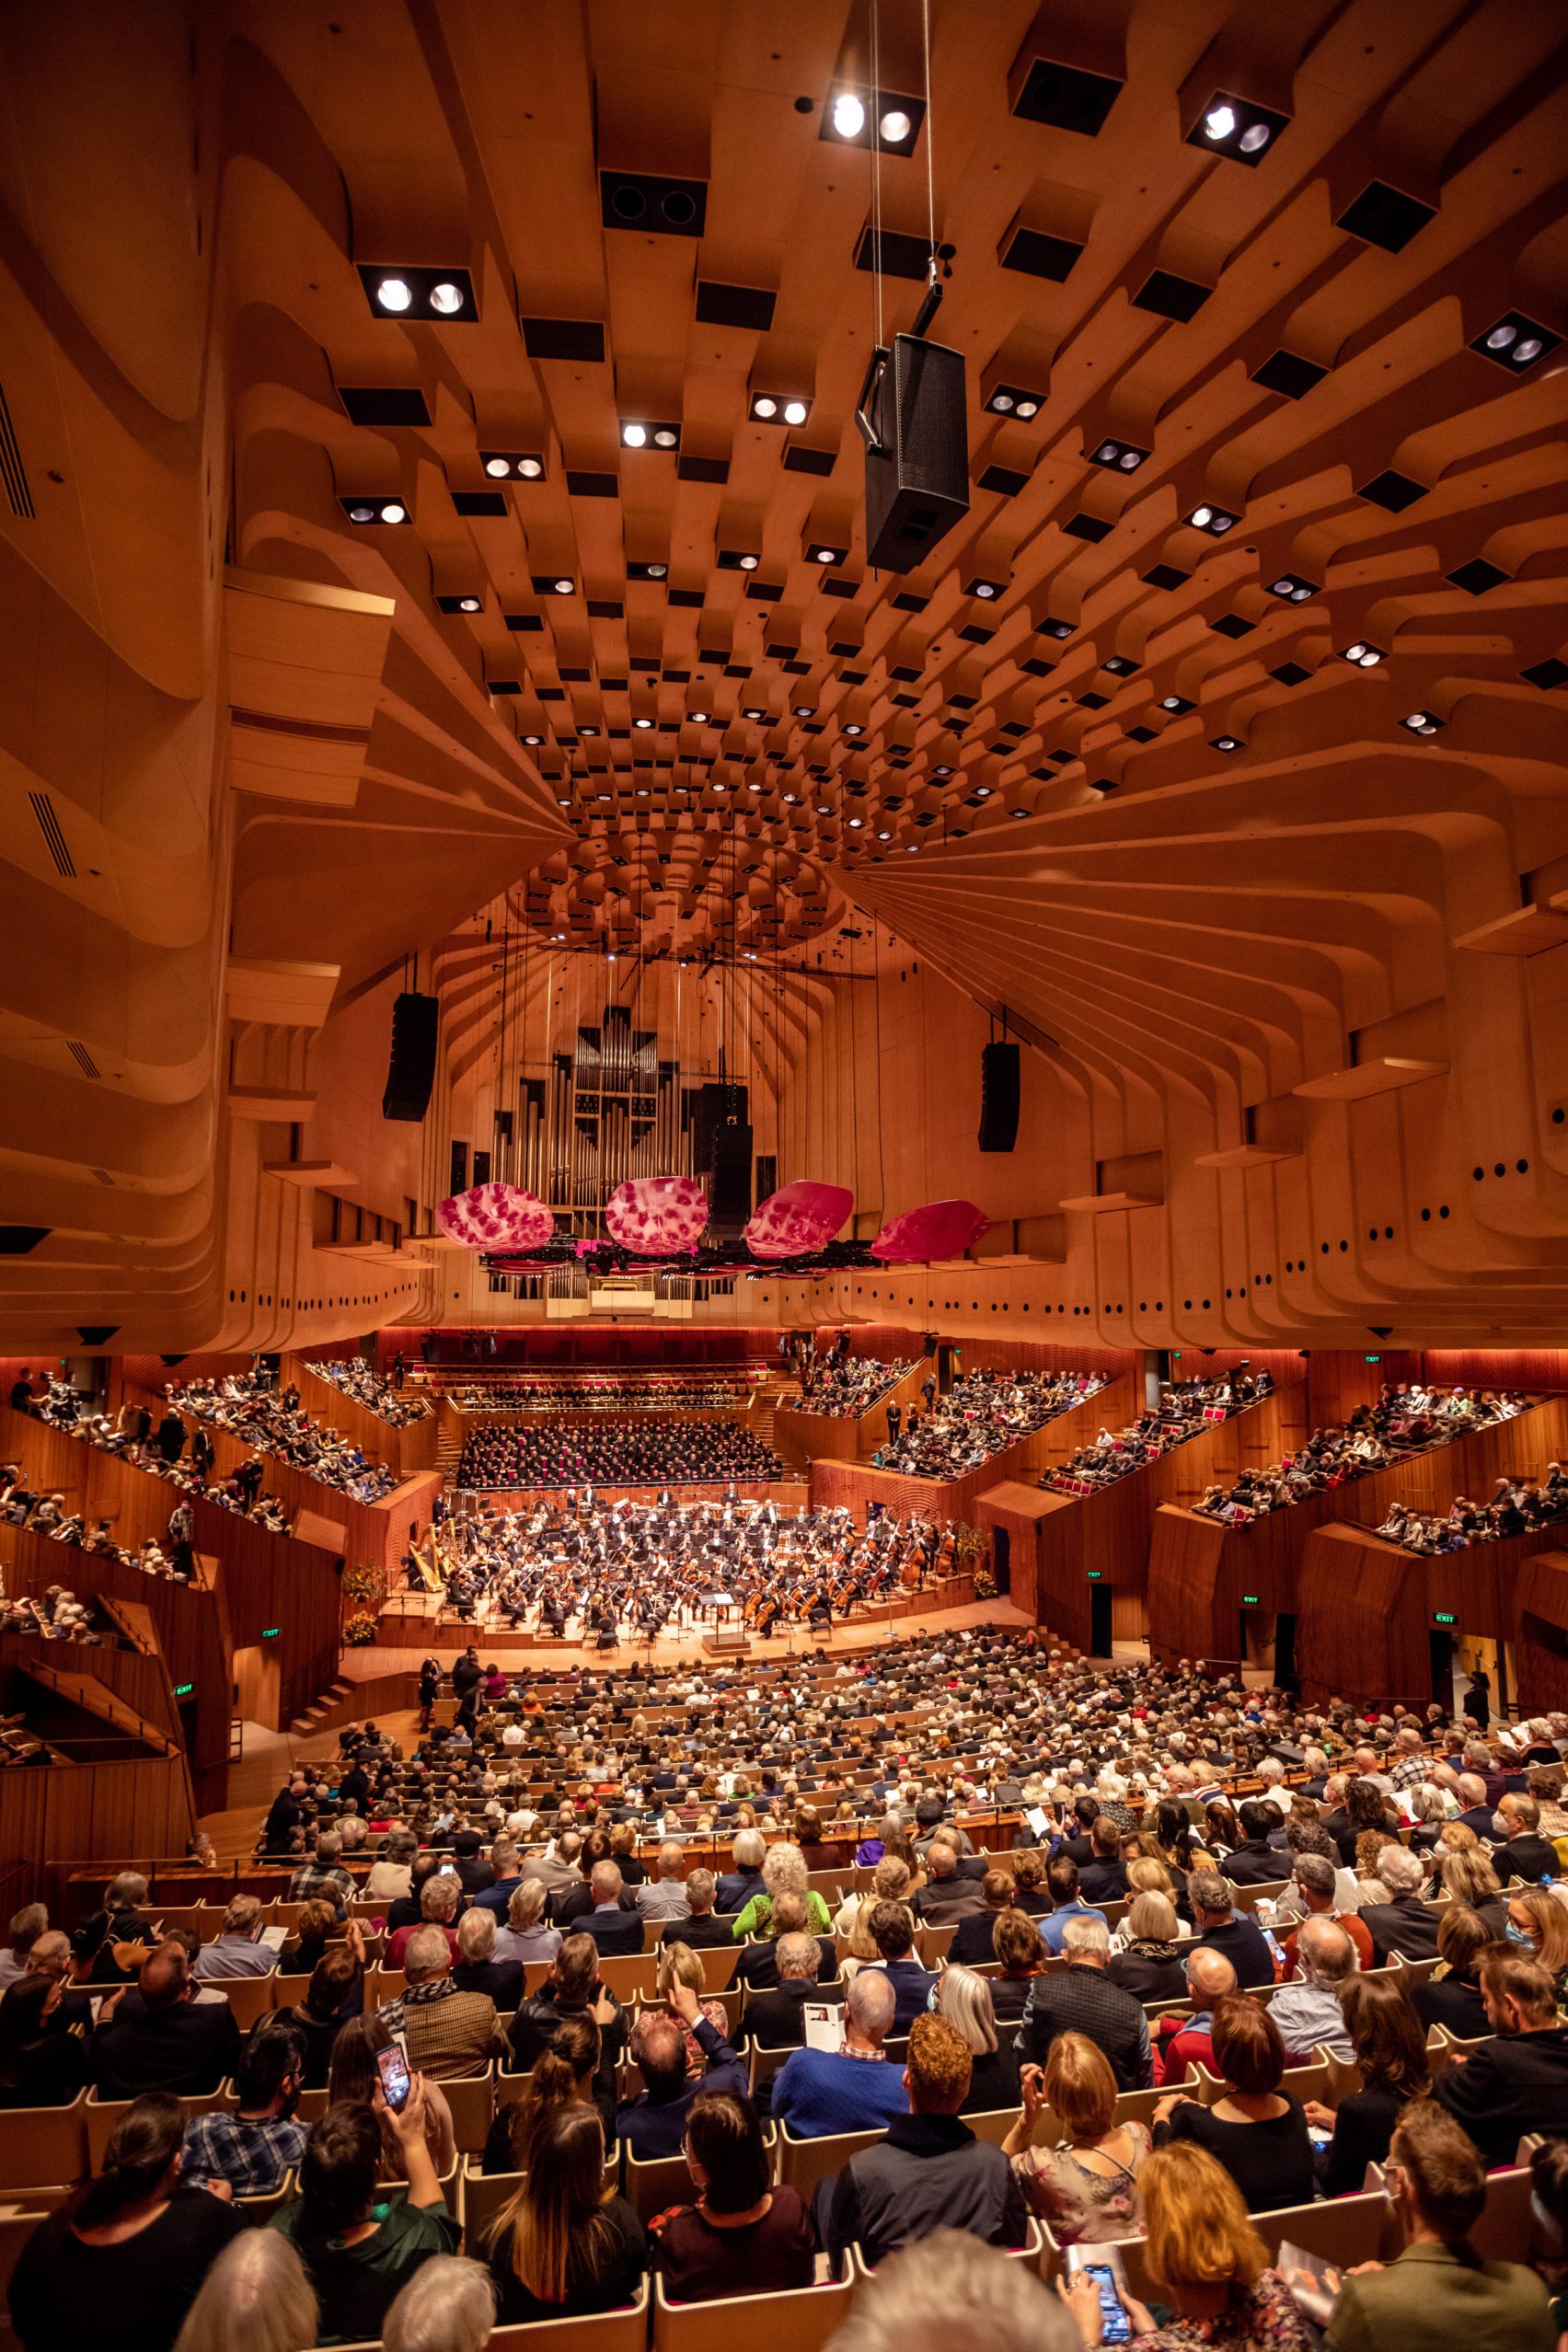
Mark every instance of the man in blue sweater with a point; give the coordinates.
(818, 2092)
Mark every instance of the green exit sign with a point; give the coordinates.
(271, 1632)
(1095, 1576)
(1371, 1359)
(1251, 1600)
(183, 1689)
(1444, 1617)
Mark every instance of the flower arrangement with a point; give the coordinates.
(366, 1584)
(359, 1630)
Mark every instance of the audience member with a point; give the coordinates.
(1389, 2047)
(157, 2037)
(1516, 2082)
(1082, 1998)
(817, 2093)
(255, 2144)
(742, 2236)
(1085, 2187)
(358, 2251)
(1258, 2133)
(565, 2245)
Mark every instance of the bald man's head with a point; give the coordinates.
(1209, 1976)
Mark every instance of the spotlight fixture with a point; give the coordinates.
(1421, 723)
(856, 823)
(1235, 127)
(1215, 520)
(636, 434)
(397, 292)
(700, 718)
(513, 465)
(943, 769)
(533, 739)
(986, 590)
(1014, 401)
(732, 560)
(375, 510)
(752, 711)
(1054, 628)
(1176, 704)
(1226, 744)
(460, 604)
(779, 408)
(1117, 457)
(642, 724)
(647, 571)
(818, 552)
(1515, 341)
(892, 123)
(804, 709)
(1361, 656)
(547, 584)
(1119, 665)
(853, 727)
(980, 793)
(1020, 812)
(1291, 589)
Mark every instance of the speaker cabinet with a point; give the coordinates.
(411, 1072)
(917, 483)
(713, 1105)
(730, 1184)
(999, 1096)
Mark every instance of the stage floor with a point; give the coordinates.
(856, 1634)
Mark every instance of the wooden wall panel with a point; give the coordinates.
(86, 1813)
(409, 1447)
(957, 1498)
(1536, 1604)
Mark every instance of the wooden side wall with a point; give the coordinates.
(1366, 1613)
(1199, 1569)
(409, 1447)
(84, 1813)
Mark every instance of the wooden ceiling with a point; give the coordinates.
(1137, 797)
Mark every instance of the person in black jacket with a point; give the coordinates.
(1254, 1862)
(776, 2020)
(41, 2065)
(973, 1944)
(1516, 2082)
(1405, 1924)
(1451, 1998)
(1103, 1878)
(1240, 1938)
(1390, 2044)
(572, 1989)
(1081, 1999)
(166, 2040)
(1524, 1852)
(702, 1929)
(1149, 1964)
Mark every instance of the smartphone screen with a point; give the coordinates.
(1116, 2327)
(396, 2079)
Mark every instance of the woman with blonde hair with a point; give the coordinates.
(564, 2246)
(890, 1883)
(1469, 1877)
(256, 2297)
(965, 2000)
(1149, 1964)
(783, 1873)
(679, 1965)
(1086, 2186)
(1538, 1926)
(1208, 2263)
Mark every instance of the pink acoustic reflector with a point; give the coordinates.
(652, 1214)
(800, 1216)
(940, 1229)
(496, 1216)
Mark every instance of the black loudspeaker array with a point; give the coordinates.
(999, 1096)
(917, 456)
(729, 1178)
(715, 1104)
(411, 1071)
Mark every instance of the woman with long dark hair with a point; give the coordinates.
(121, 2265)
(743, 2236)
(565, 2246)
(572, 2068)
(357, 2250)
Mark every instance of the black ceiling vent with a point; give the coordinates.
(13, 473)
(383, 404)
(49, 825)
(96, 1334)
(15, 1240)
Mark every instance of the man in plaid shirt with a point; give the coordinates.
(253, 2149)
(1411, 1765)
(324, 1876)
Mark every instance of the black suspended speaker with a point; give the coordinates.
(729, 1178)
(999, 1096)
(917, 453)
(411, 1071)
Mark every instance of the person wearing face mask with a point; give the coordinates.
(1439, 2296)
(253, 2147)
(1538, 1925)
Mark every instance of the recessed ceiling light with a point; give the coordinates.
(766, 407)
(856, 823)
(403, 292)
(533, 739)
(699, 718)
(750, 562)
(1175, 703)
(848, 115)
(1057, 628)
(1016, 400)
(1291, 589)
(1119, 665)
(1215, 520)
(1361, 655)
(804, 709)
(895, 127)
(1117, 457)
(1227, 744)
(796, 411)
(853, 727)
(986, 590)
(498, 467)
(633, 435)
(643, 723)
(1421, 723)
(1232, 126)
(469, 604)
(375, 510)
(563, 587)
(394, 294)
(446, 298)
(1515, 341)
